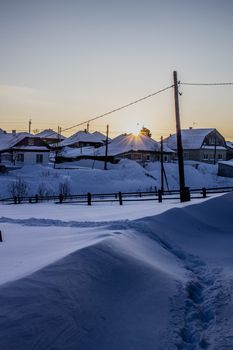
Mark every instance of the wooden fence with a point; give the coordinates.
(119, 197)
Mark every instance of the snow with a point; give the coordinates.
(191, 138)
(49, 133)
(126, 176)
(8, 140)
(142, 282)
(81, 136)
(129, 142)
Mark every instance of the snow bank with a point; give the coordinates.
(161, 282)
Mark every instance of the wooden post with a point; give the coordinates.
(161, 163)
(204, 192)
(15, 200)
(183, 191)
(1, 236)
(89, 198)
(36, 198)
(106, 149)
(160, 196)
(61, 197)
(120, 198)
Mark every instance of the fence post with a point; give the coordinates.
(89, 198)
(36, 198)
(19, 200)
(15, 200)
(120, 198)
(204, 192)
(61, 197)
(0, 236)
(160, 196)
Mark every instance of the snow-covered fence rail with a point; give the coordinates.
(119, 197)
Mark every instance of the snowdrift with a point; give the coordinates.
(161, 282)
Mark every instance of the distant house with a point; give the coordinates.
(22, 149)
(229, 145)
(50, 136)
(140, 148)
(81, 139)
(203, 145)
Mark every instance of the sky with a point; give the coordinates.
(65, 62)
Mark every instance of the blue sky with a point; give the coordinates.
(63, 62)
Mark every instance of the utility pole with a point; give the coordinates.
(29, 126)
(184, 191)
(106, 149)
(215, 149)
(161, 163)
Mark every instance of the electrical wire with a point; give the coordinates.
(118, 109)
(207, 84)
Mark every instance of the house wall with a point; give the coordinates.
(225, 170)
(229, 153)
(207, 155)
(30, 158)
(145, 157)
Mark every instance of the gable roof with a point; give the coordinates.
(49, 133)
(191, 138)
(80, 136)
(9, 140)
(129, 142)
(101, 136)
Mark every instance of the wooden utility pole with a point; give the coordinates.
(184, 191)
(161, 163)
(29, 125)
(106, 149)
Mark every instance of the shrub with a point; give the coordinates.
(18, 188)
(64, 188)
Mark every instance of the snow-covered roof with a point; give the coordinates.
(191, 138)
(8, 140)
(101, 136)
(229, 144)
(219, 148)
(49, 133)
(129, 142)
(227, 162)
(32, 148)
(80, 136)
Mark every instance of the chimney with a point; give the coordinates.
(14, 132)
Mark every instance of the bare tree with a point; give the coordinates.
(18, 188)
(64, 188)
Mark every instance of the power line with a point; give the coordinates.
(118, 109)
(207, 84)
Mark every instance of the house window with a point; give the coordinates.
(6, 158)
(148, 157)
(205, 156)
(39, 158)
(136, 156)
(219, 156)
(20, 158)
